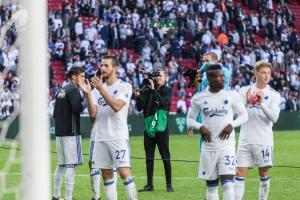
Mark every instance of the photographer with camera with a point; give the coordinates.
(154, 99)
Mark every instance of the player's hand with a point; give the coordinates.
(198, 79)
(97, 82)
(137, 92)
(224, 135)
(151, 84)
(85, 85)
(249, 95)
(190, 132)
(260, 95)
(205, 133)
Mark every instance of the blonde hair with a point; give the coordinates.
(260, 64)
(213, 56)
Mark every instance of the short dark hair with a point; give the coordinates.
(75, 71)
(213, 67)
(114, 60)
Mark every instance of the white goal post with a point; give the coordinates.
(34, 102)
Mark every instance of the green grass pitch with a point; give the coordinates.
(285, 182)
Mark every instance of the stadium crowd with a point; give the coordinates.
(146, 35)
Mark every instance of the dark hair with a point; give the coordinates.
(213, 67)
(75, 71)
(113, 59)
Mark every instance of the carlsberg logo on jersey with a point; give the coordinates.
(211, 112)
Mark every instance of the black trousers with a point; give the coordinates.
(161, 139)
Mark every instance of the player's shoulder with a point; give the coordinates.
(199, 95)
(245, 88)
(274, 93)
(230, 92)
(272, 90)
(124, 84)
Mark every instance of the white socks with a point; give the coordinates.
(130, 189)
(70, 181)
(110, 189)
(95, 182)
(264, 188)
(239, 187)
(228, 190)
(212, 193)
(58, 174)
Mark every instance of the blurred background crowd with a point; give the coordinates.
(170, 34)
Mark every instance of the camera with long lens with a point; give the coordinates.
(148, 77)
(194, 77)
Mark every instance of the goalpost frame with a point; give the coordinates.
(34, 117)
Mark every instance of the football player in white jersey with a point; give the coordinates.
(111, 130)
(95, 172)
(217, 107)
(256, 136)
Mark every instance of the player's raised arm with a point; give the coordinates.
(272, 111)
(115, 104)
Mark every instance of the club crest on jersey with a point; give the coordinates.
(101, 102)
(116, 91)
(212, 112)
(266, 97)
(225, 101)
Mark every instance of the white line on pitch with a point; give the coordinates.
(177, 178)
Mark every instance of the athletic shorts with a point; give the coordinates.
(69, 150)
(249, 155)
(215, 163)
(92, 144)
(111, 154)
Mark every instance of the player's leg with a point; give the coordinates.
(264, 155)
(102, 158)
(110, 187)
(239, 182)
(121, 155)
(59, 171)
(208, 171)
(244, 161)
(228, 187)
(149, 147)
(163, 147)
(94, 174)
(73, 156)
(265, 182)
(212, 190)
(226, 170)
(115, 170)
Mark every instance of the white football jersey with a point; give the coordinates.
(217, 111)
(111, 125)
(258, 129)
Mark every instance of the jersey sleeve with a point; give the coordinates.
(272, 110)
(125, 93)
(193, 112)
(240, 109)
(76, 100)
(242, 94)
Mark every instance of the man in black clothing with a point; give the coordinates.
(68, 106)
(156, 96)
